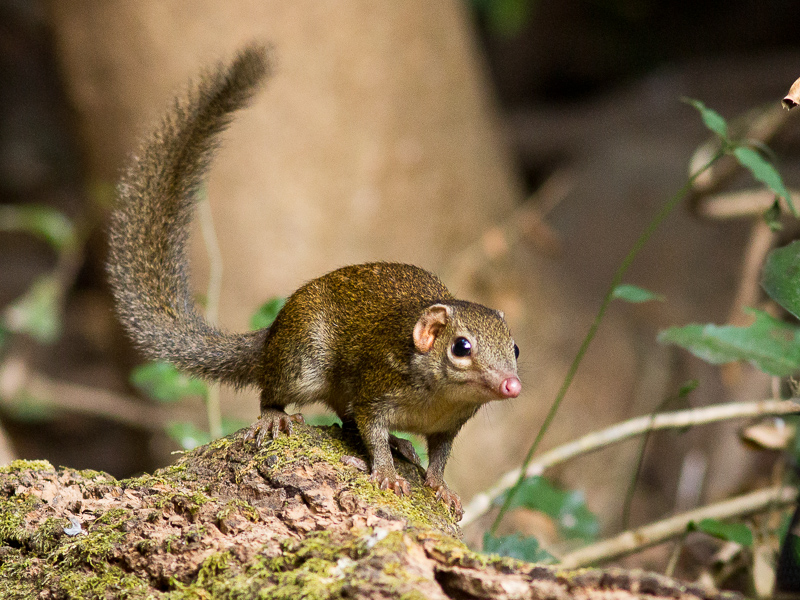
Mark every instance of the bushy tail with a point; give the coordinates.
(148, 263)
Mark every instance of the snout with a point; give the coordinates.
(510, 387)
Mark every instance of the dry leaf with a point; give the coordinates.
(773, 434)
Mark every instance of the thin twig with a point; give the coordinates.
(742, 203)
(762, 241)
(620, 432)
(661, 531)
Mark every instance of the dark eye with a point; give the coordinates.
(516, 351)
(462, 347)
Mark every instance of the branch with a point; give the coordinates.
(661, 531)
(18, 380)
(620, 432)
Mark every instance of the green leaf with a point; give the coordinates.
(567, 508)
(688, 387)
(267, 313)
(781, 277)
(730, 532)
(772, 346)
(37, 312)
(163, 382)
(783, 527)
(26, 407)
(764, 172)
(187, 435)
(635, 294)
(505, 17)
(41, 221)
(711, 118)
(516, 546)
(772, 216)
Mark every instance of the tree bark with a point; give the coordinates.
(288, 520)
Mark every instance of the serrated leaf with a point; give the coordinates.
(187, 435)
(37, 312)
(781, 277)
(711, 118)
(525, 548)
(635, 294)
(266, 314)
(568, 508)
(764, 172)
(41, 221)
(163, 382)
(730, 532)
(772, 346)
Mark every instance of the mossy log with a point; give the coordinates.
(289, 520)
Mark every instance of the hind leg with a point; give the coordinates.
(273, 421)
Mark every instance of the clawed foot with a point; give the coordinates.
(448, 497)
(355, 462)
(404, 447)
(272, 424)
(385, 481)
(391, 482)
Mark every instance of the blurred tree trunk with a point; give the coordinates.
(375, 140)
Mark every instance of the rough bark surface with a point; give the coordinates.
(289, 520)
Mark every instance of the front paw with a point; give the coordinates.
(391, 481)
(447, 496)
(271, 424)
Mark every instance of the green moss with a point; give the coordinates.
(45, 538)
(306, 444)
(15, 579)
(113, 582)
(306, 568)
(96, 476)
(75, 566)
(27, 465)
(318, 566)
(330, 444)
(237, 506)
(12, 519)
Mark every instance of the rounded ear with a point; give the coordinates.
(430, 324)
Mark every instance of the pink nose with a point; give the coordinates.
(511, 387)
